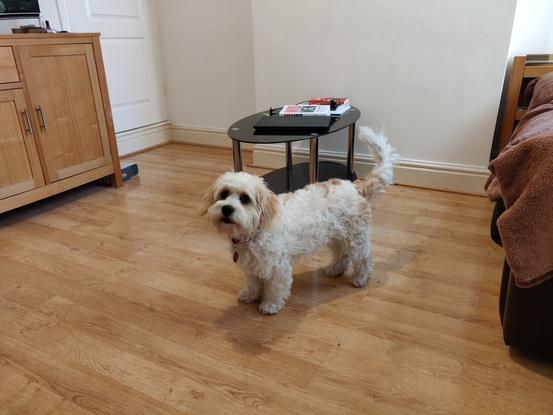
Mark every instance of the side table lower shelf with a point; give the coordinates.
(278, 180)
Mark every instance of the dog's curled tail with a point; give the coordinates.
(382, 175)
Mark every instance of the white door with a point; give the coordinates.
(131, 55)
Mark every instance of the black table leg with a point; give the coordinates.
(351, 144)
(313, 160)
(237, 157)
(289, 166)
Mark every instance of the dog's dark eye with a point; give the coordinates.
(245, 199)
(223, 195)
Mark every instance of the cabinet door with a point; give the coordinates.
(19, 163)
(64, 91)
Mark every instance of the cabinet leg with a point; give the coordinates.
(116, 180)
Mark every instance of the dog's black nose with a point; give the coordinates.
(227, 210)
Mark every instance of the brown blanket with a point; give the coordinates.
(523, 176)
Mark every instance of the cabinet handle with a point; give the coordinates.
(27, 122)
(41, 118)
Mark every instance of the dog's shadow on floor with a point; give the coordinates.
(314, 296)
(253, 333)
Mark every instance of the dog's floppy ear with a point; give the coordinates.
(267, 203)
(207, 200)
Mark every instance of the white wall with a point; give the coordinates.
(430, 70)
(208, 62)
(532, 28)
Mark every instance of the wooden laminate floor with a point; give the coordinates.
(124, 301)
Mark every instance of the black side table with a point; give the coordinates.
(293, 177)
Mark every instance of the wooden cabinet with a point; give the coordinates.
(56, 130)
(65, 96)
(19, 164)
(8, 69)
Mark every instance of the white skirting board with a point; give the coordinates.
(206, 136)
(440, 176)
(142, 138)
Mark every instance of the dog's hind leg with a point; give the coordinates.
(276, 289)
(340, 259)
(361, 257)
(251, 291)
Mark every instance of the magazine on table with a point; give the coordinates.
(302, 110)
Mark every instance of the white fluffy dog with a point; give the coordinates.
(267, 232)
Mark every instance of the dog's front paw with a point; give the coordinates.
(360, 281)
(271, 308)
(246, 296)
(361, 274)
(335, 269)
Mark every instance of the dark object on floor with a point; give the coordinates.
(526, 313)
(128, 171)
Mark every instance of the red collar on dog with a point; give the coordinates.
(235, 243)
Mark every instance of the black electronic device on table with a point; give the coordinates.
(289, 124)
(23, 9)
